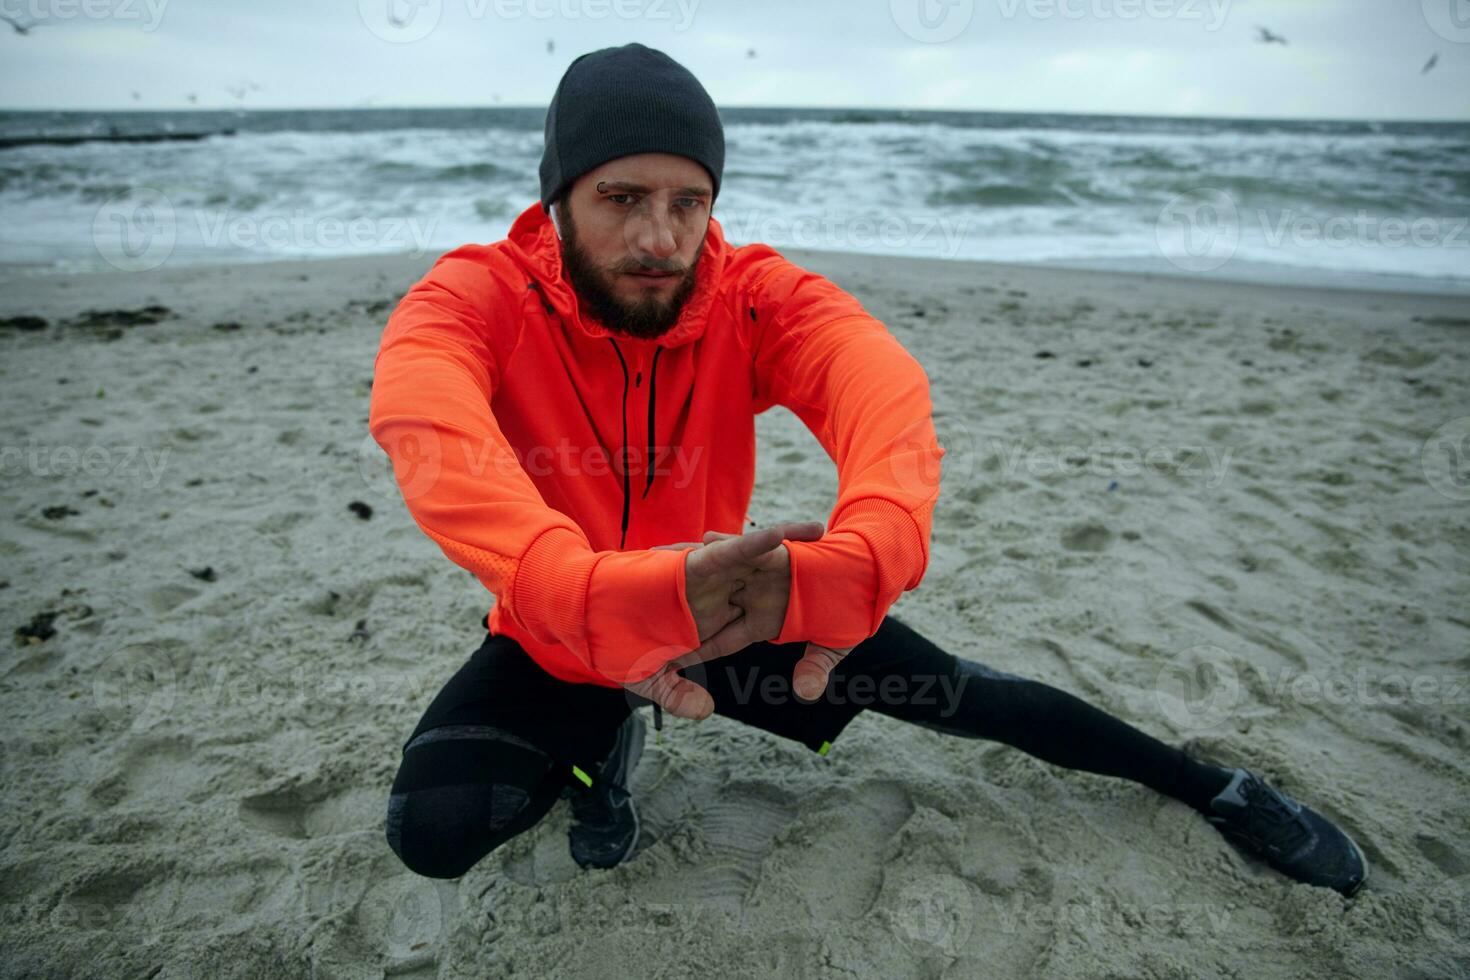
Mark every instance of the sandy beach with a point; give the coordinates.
(1236, 515)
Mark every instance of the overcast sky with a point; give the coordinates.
(1342, 59)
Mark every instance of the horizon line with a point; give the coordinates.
(827, 108)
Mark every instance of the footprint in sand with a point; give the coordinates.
(167, 598)
(740, 824)
(153, 769)
(305, 811)
(1086, 537)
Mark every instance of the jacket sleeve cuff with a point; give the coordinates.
(843, 585)
(622, 613)
(549, 594)
(637, 616)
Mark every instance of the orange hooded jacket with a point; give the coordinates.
(547, 455)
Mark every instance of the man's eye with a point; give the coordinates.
(688, 203)
(625, 198)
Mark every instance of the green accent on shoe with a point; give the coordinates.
(577, 771)
(824, 748)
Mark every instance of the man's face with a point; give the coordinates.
(632, 234)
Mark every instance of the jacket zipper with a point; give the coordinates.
(624, 538)
(652, 418)
(652, 403)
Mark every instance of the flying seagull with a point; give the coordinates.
(194, 99)
(1266, 37)
(239, 91)
(21, 29)
(750, 53)
(1429, 65)
(551, 45)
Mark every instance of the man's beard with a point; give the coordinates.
(647, 319)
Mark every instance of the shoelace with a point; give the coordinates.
(1270, 821)
(594, 805)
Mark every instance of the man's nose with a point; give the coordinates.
(654, 235)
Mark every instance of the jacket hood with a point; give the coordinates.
(536, 249)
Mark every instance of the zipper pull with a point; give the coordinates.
(658, 723)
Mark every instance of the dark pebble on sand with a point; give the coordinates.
(1145, 362)
(227, 325)
(195, 482)
(23, 323)
(360, 632)
(58, 511)
(89, 493)
(123, 318)
(360, 509)
(1043, 355)
(109, 324)
(1085, 362)
(205, 574)
(251, 369)
(39, 629)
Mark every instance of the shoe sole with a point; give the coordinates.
(1363, 858)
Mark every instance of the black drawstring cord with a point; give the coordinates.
(652, 380)
(623, 540)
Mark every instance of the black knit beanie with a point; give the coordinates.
(619, 101)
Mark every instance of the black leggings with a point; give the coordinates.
(493, 752)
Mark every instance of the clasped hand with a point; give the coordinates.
(737, 587)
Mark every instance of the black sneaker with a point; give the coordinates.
(604, 821)
(1294, 839)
